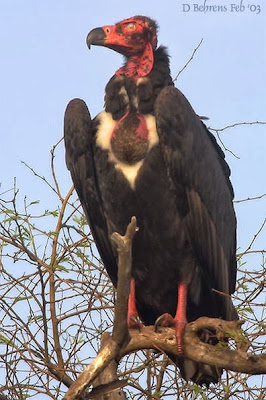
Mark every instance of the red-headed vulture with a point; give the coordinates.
(149, 155)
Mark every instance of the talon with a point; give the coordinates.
(134, 322)
(165, 320)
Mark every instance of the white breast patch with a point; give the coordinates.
(105, 129)
(103, 140)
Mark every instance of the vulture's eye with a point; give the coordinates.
(131, 26)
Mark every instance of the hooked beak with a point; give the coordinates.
(108, 36)
(97, 37)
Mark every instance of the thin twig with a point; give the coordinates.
(191, 58)
(160, 376)
(255, 237)
(39, 176)
(236, 124)
(226, 148)
(218, 130)
(251, 198)
(52, 151)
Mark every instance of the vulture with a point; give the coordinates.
(149, 155)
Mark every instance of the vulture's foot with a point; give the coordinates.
(180, 320)
(166, 320)
(134, 322)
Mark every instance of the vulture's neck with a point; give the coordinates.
(138, 65)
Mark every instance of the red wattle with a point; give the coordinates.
(138, 66)
(142, 129)
(119, 122)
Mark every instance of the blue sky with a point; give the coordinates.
(45, 63)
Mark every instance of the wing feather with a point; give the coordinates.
(78, 135)
(194, 159)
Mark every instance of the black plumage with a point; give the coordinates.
(149, 155)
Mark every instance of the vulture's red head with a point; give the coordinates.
(135, 38)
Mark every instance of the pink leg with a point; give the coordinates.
(133, 319)
(180, 320)
(180, 316)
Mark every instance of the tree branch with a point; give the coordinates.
(107, 382)
(52, 290)
(120, 336)
(124, 248)
(219, 355)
